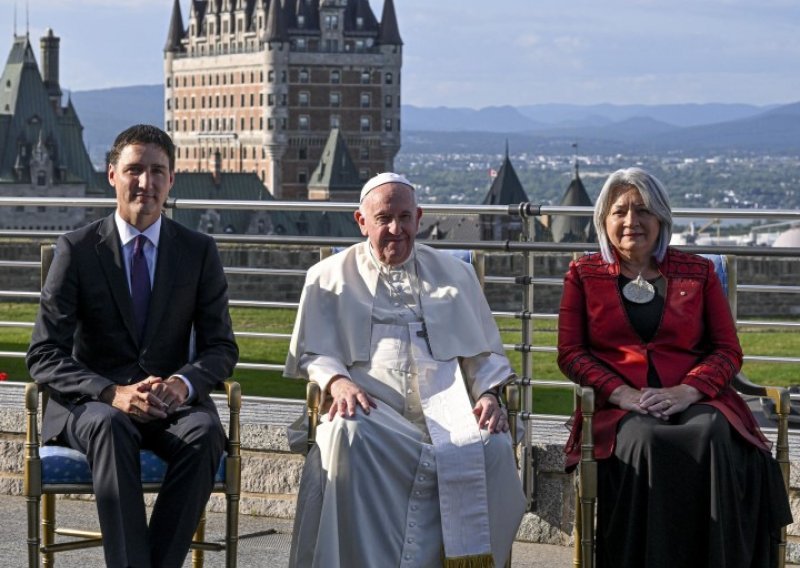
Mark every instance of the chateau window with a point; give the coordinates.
(359, 45)
(387, 125)
(242, 124)
(243, 78)
(224, 101)
(216, 102)
(302, 153)
(169, 83)
(366, 100)
(283, 124)
(169, 125)
(41, 180)
(261, 123)
(270, 99)
(304, 75)
(242, 99)
(169, 104)
(335, 121)
(270, 124)
(261, 99)
(231, 101)
(363, 153)
(192, 125)
(224, 79)
(193, 102)
(192, 80)
(303, 122)
(202, 124)
(301, 21)
(270, 76)
(302, 176)
(336, 76)
(203, 102)
(184, 125)
(363, 173)
(252, 123)
(335, 99)
(359, 23)
(202, 80)
(366, 124)
(283, 76)
(331, 22)
(252, 99)
(365, 77)
(389, 78)
(302, 98)
(387, 101)
(300, 44)
(283, 99)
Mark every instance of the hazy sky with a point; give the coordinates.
(477, 53)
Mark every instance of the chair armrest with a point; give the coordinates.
(313, 401)
(32, 480)
(233, 467)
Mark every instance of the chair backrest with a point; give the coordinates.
(47, 253)
(725, 267)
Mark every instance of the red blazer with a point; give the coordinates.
(695, 344)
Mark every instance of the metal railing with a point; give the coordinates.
(526, 247)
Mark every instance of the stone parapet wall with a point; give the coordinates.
(287, 288)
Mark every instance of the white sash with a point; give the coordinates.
(458, 446)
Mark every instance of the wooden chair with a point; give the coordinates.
(586, 473)
(57, 470)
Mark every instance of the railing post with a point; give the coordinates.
(527, 216)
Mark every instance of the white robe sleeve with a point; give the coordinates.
(321, 369)
(486, 371)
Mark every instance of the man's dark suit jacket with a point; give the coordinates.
(85, 337)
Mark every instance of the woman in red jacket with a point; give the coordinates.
(685, 475)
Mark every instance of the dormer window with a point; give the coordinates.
(359, 23)
(331, 23)
(301, 21)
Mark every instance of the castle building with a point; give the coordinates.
(42, 153)
(262, 83)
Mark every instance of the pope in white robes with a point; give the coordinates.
(413, 464)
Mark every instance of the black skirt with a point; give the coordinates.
(688, 493)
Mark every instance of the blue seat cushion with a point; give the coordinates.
(68, 466)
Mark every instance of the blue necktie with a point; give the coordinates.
(140, 284)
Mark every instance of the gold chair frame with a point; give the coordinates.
(586, 473)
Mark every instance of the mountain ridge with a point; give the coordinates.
(690, 127)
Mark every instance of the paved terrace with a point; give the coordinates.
(270, 477)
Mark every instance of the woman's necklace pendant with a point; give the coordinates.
(639, 290)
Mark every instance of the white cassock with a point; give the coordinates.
(415, 482)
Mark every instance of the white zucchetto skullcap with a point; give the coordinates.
(383, 179)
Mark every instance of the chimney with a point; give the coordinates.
(49, 46)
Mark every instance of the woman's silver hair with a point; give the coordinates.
(655, 198)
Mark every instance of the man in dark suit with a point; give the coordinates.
(133, 332)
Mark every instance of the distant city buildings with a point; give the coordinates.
(259, 86)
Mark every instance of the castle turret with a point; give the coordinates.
(49, 45)
(276, 38)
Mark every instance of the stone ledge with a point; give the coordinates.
(271, 475)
